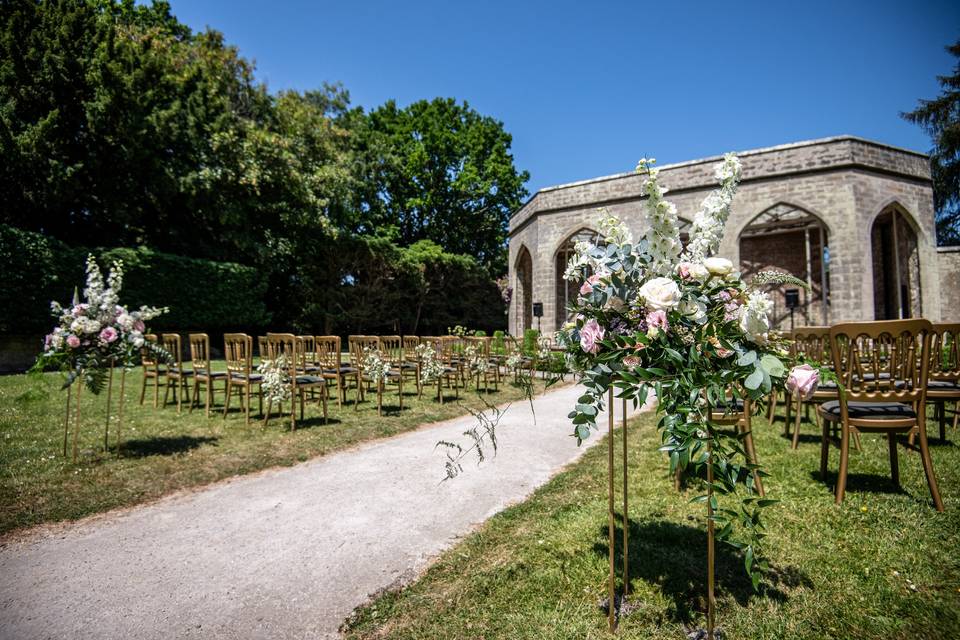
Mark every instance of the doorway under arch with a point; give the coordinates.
(523, 312)
(789, 238)
(896, 266)
(566, 290)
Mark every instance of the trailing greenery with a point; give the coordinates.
(199, 293)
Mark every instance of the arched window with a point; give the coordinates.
(896, 266)
(789, 238)
(566, 290)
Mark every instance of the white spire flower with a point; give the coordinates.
(707, 229)
(614, 230)
(663, 234)
(755, 316)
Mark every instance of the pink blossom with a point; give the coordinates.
(108, 335)
(587, 287)
(79, 309)
(73, 341)
(803, 381)
(590, 336)
(139, 326)
(684, 270)
(658, 319)
(631, 362)
(725, 295)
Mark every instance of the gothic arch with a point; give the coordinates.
(791, 238)
(566, 291)
(523, 290)
(895, 240)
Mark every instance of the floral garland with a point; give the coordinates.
(374, 365)
(97, 332)
(476, 362)
(686, 327)
(276, 379)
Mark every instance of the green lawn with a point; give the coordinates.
(163, 451)
(884, 565)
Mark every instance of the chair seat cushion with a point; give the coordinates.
(871, 410)
(179, 372)
(211, 374)
(342, 369)
(254, 377)
(309, 380)
(943, 385)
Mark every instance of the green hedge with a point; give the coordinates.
(201, 294)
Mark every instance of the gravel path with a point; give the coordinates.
(282, 554)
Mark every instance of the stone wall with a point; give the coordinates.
(845, 182)
(948, 259)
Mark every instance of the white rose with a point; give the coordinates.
(660, 294)
(755, 325)
(698, 272)
(718, 266)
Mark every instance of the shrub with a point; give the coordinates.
(530, 341)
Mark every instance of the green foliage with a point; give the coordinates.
(200, 293)
(530, 341)
(940, 119)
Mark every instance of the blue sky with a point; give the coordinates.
(588, 88)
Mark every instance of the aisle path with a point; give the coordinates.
(283, 554)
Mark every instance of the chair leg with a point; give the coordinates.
(226, 400)
(894, 459)
(143, 387)
(400, 390)
(824, 448)
(156, 391)
(844, 459)
(796, 427)
(209, 395)
(928, 469)
(856, 439)
(772, 413)
(380, 398)
(166, 391)
(786, 423)
(323, 397)
(246, 404)
(942, 412)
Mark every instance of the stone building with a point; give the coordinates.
(852, 217)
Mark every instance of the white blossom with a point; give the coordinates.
(755, 316)
(663, 234)
(708, 223)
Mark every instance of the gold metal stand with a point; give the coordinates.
(66, 421)
(106, 426)
(123, 380)
(611, 541)
(710, 543)
(77, 422)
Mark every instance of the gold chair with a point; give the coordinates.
(814, 343)
(330, 359)
(884, 369)
(202, 371)
(262, 347)
(176, 374)
(443, 355)
(944, 383)
(482, 347)
(152, 369)
(410, 359)
(287, 345)
(308, 354)
(238, 350)
(392, 347)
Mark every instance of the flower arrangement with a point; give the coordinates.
(97, 332)
(374, 366)
(430, 366)
(476, 362)
(276, 379)
(651, 316)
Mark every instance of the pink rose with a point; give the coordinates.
(587, 287)
(590, 336)
(803, 381)
(684, 270)
(108, 335)
(139, 326)
(658, 319)
(73, 341)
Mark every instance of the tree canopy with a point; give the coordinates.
(121, 126)
(940, 119)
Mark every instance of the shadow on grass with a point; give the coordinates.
(869, 482)
(163, 445)
(674, 558)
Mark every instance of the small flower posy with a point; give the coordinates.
(683, 323)
(375, 366)
(98, 331)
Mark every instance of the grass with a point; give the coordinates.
(164, 452)
(884, 564)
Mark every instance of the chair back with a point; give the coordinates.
(448, 351)
(262, 347)
(328, 352)
(945, 352)
(410, 344)
(885, 361)
(392, 349)
(287, 345)
(173, 346)
(812, 343)
(358, 344)
(147, 357)
(238, 350)
(436, 342)
(482, 345)
(308, 351)
(200, 352)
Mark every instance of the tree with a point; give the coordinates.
(445, 173)
(940, 119)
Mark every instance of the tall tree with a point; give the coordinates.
(446, 174)
(940, 118)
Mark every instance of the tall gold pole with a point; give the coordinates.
(710, 558)
(611, 586)
(66, 421)
(123, 379)
(76, 426)
(626, 519)
(106, 427)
